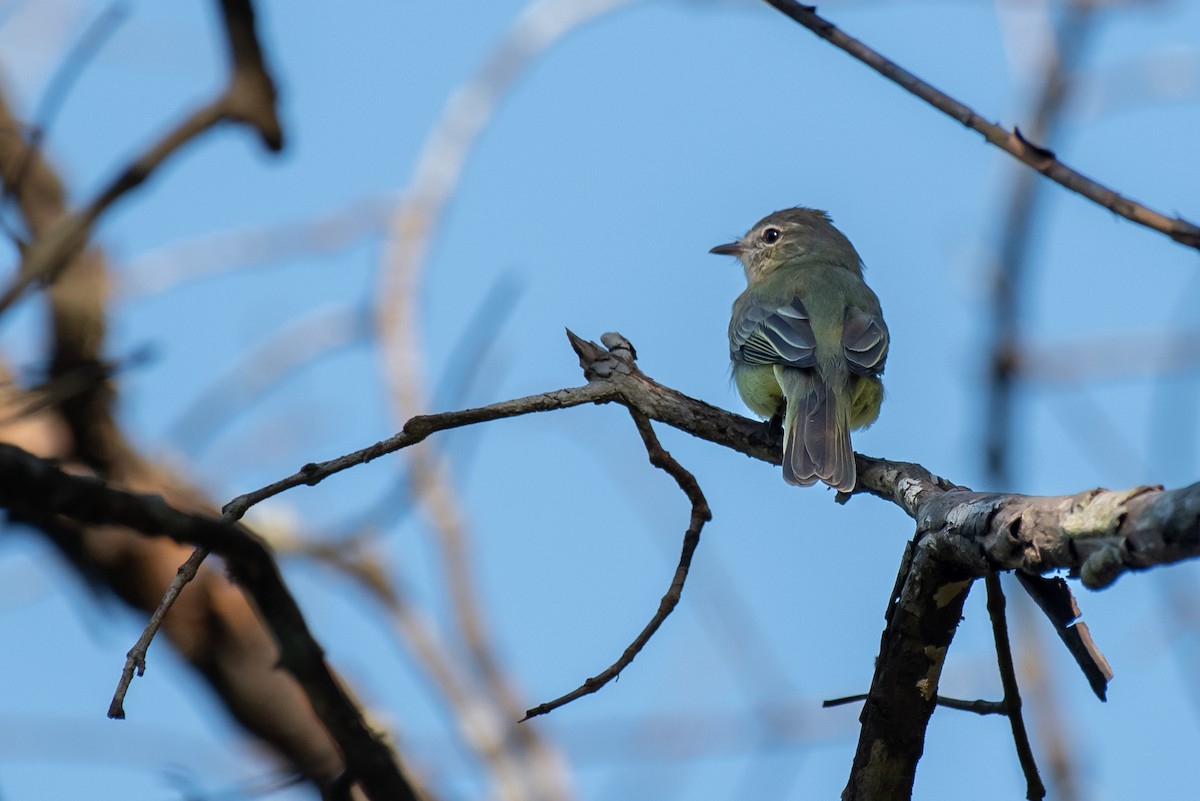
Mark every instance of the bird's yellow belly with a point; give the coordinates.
(759, 388)
(866, 396)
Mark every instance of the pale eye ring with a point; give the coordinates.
(771, 235)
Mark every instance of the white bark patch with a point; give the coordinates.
(909, 489)
(1098, 515)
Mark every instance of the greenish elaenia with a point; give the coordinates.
(807, 341)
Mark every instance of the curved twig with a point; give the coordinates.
(701, 514)
(135, 659)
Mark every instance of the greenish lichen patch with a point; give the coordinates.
(1098, 513)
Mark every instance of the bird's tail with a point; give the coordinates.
(816, 432)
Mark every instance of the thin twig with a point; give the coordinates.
(1034, 789)
(830, 703)
(135, 660)
(417, 429)
(979, 706)
(249, 97)
(701, 514)
(1011, 142)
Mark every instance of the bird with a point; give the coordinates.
(807, 341)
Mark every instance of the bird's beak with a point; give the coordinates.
(730, 249)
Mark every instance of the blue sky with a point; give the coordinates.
(620, 156)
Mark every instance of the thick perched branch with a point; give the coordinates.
(1096, 534)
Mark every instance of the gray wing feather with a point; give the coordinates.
(865, 342)
(782, 335)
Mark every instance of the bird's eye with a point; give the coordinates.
(771, 235)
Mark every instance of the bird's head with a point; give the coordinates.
(790, 235)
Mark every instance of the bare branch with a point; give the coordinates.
(414, 431)
(978, 706)
(135, 660)
(1011, 142)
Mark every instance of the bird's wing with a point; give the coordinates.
(864, 341)
(773, 335)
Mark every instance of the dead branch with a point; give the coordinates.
(979, 706)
